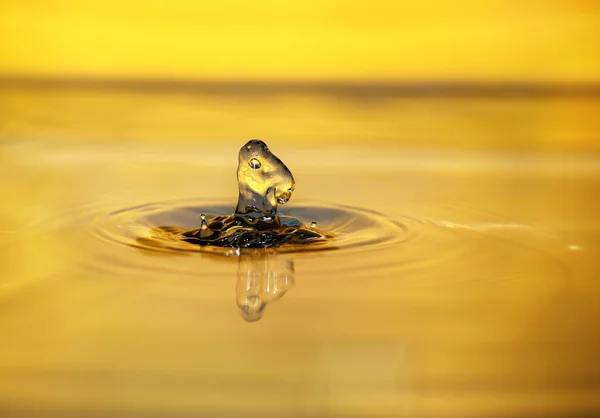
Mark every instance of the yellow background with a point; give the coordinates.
(356, 40)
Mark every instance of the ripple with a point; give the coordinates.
(428, 246)
(355, 228)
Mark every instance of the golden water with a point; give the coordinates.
(484, 302)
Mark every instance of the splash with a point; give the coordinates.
(264, 182)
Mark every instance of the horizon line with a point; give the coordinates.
(416, 88)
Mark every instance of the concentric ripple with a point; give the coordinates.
(353, 227)
(418, 247)
(426, 246)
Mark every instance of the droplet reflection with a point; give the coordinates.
(263, 277)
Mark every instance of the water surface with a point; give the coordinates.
(472, 292)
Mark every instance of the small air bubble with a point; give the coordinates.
(254, 163)
(313, 224)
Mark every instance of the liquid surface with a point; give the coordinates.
(466, 287)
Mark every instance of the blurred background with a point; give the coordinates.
(420, 74)
(340, 41)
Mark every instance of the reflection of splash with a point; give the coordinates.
(263, 277)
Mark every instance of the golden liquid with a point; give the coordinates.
(488, 306)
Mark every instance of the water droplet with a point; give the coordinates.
(313, 225)
(255, 222)
(254, 163)
(203, 225)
